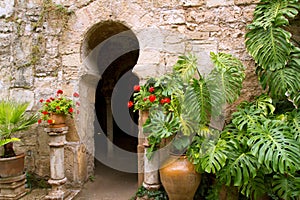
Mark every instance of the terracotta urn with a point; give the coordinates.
(59, 120)
(179, 178)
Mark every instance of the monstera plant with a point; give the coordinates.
(258, 152)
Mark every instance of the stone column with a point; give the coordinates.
(140, 148)
(57, 170)
(151, 171)
(151, 179)
(110, 128)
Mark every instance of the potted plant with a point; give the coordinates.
(185, 104)
(13, 118)
(55, 109)
(258, 152)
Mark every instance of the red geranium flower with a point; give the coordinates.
(50, 121)
(39, 121)
(151, 89)
(145, 99)
(136, 88)
(45, 112)
(165, 100)
(71, 110)
(48, 100)
(41, 100)
(59, 92)
(76, 95)
(129, 104)
(152, 97)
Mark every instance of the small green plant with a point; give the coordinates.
(153, 195)
(34, 181)
(92, 178)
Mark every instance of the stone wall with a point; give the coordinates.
(42, 44)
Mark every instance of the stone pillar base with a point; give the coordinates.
(12, 187)
(151, 187)
(57, 192)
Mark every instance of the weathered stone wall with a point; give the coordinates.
(42, 50)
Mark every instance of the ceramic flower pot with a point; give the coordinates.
(58, 120)
(12, 166)
(179, 178)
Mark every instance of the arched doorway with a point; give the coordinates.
(111, 51)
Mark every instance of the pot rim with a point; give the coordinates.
(21, 155)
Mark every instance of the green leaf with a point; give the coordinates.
(274, 13)
(186, 66)
(227, 77)
(6, 141)
(214, 157)
(13, 118)
(286, 186)
(273, 144)
(269, 47)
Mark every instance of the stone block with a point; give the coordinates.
(149, 57)
(23, 95)
(216, 3)
(71, 60)
(188, 3)
(245, 2)
(6, 8)
(178, 48)
(198, 35)
(23, 78)
(72, 135)
(146, 70)
(151, 38)
(173, 17)
(42, 165)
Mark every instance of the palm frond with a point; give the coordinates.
(13, 117)
(6, 141)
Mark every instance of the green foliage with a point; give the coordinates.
(286, 186)
(14, 118)
(155, 194)
(34, 181)
(194, 99)
(9, 140)
(271, 46)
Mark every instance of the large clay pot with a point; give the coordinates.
(13, 166)
(59, 120)
(179, 178)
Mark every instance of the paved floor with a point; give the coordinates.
(109, 184)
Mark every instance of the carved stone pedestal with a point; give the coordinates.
(12, 187)
(57, 170)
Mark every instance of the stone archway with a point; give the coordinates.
(110, 50)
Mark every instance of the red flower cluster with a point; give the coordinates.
(58, 105)
(146, 97)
